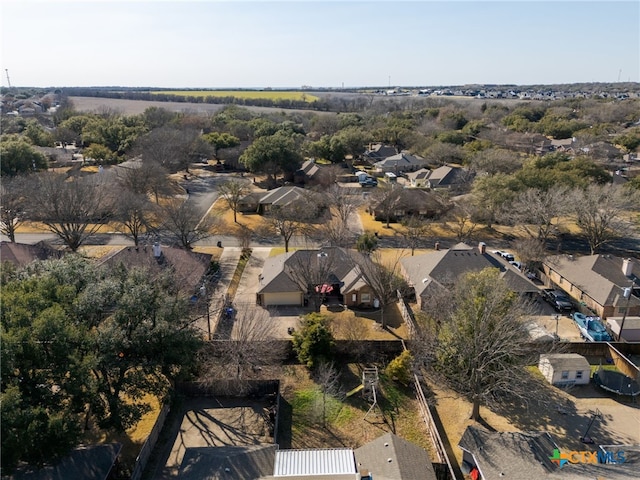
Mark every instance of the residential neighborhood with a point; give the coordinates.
(258, 295)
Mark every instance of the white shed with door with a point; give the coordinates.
(565, 369)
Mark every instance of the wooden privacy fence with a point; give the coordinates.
(149, 444)
(407, 315)
(427, 417)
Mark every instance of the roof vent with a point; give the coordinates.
(389, 460)
(425, 280)
(386, 444)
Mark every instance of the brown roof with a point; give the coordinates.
(21, 254)
(189, 267)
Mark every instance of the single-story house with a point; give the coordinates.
(393, 458)
(310, 172)
(285, 278)
(400, 162)
(262, 202)
(440, 269)
(418, 179)
(528, 455)
(565, 369)
(630, 328)
(223, 462)
(94, 462)
(378, 151)
(189, 268)
(409, 202)
(388, 457)
(22, 254)
(442, 177)
(448, 177)
(597, 281)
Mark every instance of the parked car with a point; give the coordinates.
(558, 300)
(517, 265)
(369, 182)
(509, 257)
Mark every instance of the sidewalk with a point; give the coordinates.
(228, 263)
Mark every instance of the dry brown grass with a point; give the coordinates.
(349, 325)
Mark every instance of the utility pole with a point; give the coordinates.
(627, 294)
(6, 71)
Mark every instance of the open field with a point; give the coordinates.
(252, 94)
(136, 107)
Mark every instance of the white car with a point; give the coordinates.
(518, 265)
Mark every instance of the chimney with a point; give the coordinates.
(437, 245)
(157, 251)
(627, 267)
(482, 247)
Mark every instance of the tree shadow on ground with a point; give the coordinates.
(555, 410)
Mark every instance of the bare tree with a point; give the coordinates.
(253, 344)
(538, 212)
(12, 205)
(145, 177)
(342, 204)
(232, 191)
(387, 201)
(480, 349)
(334, 233)
(459, 220)
(598, 210)
(384, 279)
(415, 230)
(72, 209)
(291, 219)
(531, 252)
(134, 213)
(327, 378)
(171, 148)
(185, 224)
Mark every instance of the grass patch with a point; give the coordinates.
(248, 94)
(346, 425)
(237, 275)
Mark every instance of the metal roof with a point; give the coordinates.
(331, 461)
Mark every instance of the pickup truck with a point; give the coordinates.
(558, 300)
(368, 182)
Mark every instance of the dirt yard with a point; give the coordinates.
(567, 420)
(211, 422)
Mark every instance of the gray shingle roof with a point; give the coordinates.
(408, 461)
(218, 463)
(88, 463)
(444, 267)
(525, 456)
(599, 276)
(401, 160)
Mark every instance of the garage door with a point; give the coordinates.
(283, 298)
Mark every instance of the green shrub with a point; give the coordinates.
(399, 369)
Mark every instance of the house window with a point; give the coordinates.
(622, 310)
(354, 297)
(579, 374)
(565, 375)
(365, 297)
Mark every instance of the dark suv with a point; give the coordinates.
(558, 299)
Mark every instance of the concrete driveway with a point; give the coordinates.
(245, 299)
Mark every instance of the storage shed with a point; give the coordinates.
(565, 369)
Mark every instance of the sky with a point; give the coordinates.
(329, 44)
